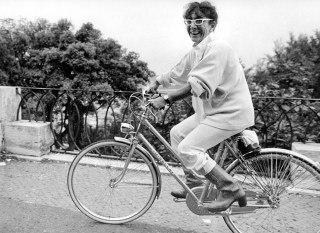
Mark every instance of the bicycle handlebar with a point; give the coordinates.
(144, 102)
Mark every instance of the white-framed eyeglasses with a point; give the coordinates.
(197, 22)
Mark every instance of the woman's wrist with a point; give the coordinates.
(180, 93)
(167, 99)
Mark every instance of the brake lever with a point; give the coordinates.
(146, 96)
(150, 111)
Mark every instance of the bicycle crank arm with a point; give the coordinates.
(239, 210)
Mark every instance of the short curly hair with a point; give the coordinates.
(205, 8)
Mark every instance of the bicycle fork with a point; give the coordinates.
(116, 180)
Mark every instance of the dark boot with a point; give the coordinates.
(229, 190)
(191, 182)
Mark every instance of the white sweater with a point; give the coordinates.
(221, 96)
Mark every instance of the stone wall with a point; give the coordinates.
(1, 138)
(20, 136)
(9, 103)
(28, 138)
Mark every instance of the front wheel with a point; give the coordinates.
(94, 188)
(283, 193)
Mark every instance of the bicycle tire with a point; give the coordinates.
(89, 182)
(291, 185)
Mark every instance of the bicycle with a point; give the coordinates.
(281, 185)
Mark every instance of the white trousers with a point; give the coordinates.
(190, 139)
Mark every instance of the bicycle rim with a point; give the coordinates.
(289, 200)
(91, 188)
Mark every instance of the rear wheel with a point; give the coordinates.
(283, 197)
(92, 186)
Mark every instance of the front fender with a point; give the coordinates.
(149, 156)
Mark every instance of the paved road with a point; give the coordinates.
(34, 198)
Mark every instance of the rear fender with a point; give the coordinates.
(282, 151)
(294, 154)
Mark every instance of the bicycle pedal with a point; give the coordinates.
(179, 200)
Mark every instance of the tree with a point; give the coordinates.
(41, 54)
(87, 33)
(293, 70)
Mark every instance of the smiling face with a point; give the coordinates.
(198, 32)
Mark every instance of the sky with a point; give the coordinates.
(155, 29)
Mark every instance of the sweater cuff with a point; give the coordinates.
(199, 89)
(164, 79)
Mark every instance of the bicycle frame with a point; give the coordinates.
(223, 150)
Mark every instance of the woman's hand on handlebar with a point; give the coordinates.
(158, 102)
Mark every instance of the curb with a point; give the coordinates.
(68, 158)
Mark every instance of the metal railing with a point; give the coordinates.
(80, 117)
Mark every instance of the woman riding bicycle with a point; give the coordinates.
(211, 72)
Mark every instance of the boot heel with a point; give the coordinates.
(242, 201)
